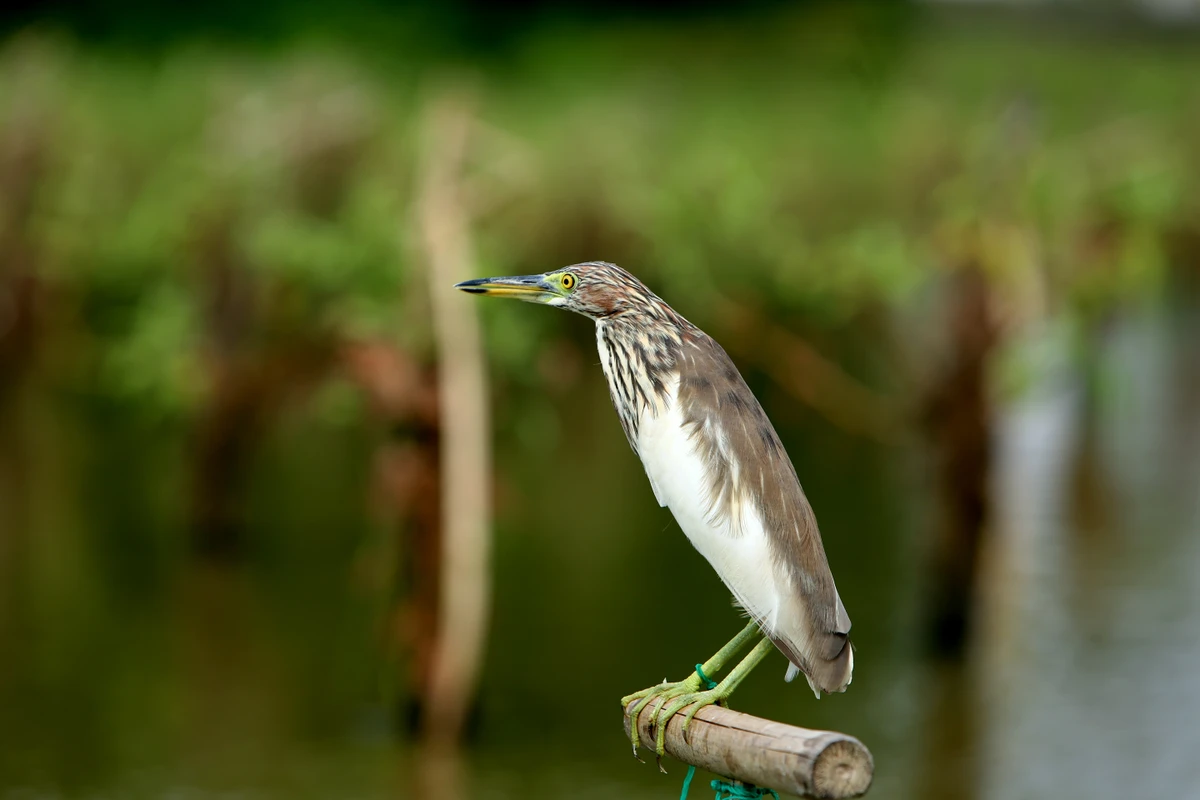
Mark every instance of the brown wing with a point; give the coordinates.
(747, 464)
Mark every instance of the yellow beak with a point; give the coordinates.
(531, 288)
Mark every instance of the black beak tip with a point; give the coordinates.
(470, 287)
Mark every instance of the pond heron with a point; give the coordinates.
(714, 459)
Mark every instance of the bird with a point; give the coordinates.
(715, 460)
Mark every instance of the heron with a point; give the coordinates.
(714, 459)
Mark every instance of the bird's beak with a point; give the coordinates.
(531, 288)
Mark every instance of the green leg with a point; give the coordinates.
(690, 685)
(699, 700)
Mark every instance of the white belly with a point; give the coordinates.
(738, 550)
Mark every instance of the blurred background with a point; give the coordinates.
(282, 515)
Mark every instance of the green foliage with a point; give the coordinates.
(772, 171)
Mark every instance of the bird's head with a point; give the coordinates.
(595, 289)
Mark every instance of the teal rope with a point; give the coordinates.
(726, 790)
(735, 791)
(687, 782)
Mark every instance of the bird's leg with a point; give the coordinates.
(698, 700)
(689, 685)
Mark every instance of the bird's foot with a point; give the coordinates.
(693, 702)
(670, 698)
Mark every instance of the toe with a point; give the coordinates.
(691, 714)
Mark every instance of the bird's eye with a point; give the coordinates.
(568, 281)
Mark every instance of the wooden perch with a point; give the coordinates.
(765, 753)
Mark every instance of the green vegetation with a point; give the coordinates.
(795, 169)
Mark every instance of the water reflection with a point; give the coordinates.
(1091, 598)
(264, 679)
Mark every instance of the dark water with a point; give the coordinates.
(129, 670)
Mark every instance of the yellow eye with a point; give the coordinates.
(568, 281)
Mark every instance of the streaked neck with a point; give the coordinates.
(638, 359)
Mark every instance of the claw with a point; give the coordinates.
(664, 700)
(687, 720)
(693, 701)
(656, 696)
(655, 716)
(674, 697)
(635, 715)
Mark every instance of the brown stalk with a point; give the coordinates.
(465, 586)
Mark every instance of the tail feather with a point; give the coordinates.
(824, 675)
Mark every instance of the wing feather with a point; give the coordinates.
(752, 484)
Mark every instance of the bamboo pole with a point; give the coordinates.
(765, 753)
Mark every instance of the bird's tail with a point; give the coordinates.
(820, 648)
(827, 676)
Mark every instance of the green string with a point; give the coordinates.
(726, 790)
(735, 791)
(687, 781)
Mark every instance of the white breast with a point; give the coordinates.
(738, 550)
